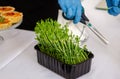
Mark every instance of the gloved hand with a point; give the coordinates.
(113, 7)
(72, 9)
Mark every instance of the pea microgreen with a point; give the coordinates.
(56, 42)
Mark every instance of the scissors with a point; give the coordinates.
(86, 22)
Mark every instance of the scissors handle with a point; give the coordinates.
(83, 18)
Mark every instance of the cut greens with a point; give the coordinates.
(2, 18)
(55, 41)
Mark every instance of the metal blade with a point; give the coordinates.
(97, 33)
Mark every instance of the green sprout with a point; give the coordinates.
(55, 41)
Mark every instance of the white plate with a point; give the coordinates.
(8, 33)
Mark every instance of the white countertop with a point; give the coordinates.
(105, 64)
(14, 43)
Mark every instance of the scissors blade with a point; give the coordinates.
(97, 33)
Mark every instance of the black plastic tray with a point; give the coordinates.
(65, 70)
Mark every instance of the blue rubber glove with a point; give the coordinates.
(72, 9)
(113, 7)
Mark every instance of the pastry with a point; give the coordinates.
(6, 9)
(4, 23)
(13, 16)
(9, 17)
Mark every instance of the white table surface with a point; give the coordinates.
(105, 64)
(14, 43)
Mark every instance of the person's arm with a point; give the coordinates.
(113, 7)
(72, 9)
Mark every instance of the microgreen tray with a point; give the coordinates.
(65, 70)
